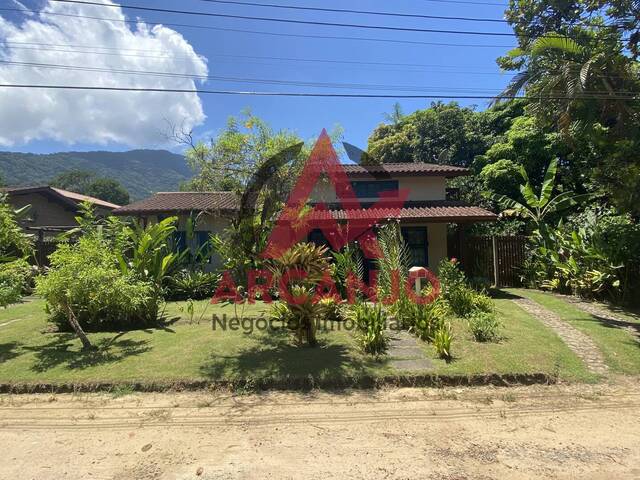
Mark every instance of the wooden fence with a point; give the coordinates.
(485, 256)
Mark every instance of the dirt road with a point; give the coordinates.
(479, 433)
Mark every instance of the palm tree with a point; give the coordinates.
(562, 75)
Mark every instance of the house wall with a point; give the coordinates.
(44, 211)
(420, 189)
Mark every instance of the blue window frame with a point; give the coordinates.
(417, 242)
(372, 189)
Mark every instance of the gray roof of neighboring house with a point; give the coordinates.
(183, 202)
(70, 198)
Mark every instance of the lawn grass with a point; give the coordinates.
(620, 349)
(526, 346)
(186, 348)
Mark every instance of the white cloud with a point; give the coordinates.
(73, 116)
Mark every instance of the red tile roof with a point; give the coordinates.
(176, 202)
(66, 195)
(446, 211)
(405, 169)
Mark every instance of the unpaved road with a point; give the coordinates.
(564, 432)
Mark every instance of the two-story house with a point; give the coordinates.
(423, 216)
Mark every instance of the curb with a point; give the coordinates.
(294, 384)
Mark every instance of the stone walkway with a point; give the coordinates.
(406, 353)
(603, 315)
(580, 343)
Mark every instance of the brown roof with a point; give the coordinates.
(405, 169)
(447, 211)
(64, 195)
(176, 202)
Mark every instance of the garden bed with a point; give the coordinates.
(186, 354)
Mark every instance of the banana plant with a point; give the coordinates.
(151, 257)
(538, 207)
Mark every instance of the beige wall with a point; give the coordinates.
(420, 189)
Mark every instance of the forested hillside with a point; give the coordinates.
(141, 172)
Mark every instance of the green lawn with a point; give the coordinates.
(187, 348)
(620, 349)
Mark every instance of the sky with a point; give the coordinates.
(238, 58)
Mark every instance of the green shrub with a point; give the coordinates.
(442, 341)
(85, 281)
(485, 326)
(15, 281)
(195, 285)
(462, 299)
(370, 320)
(425, 320)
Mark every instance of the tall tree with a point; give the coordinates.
(86, 183)
(577, 65)
(442, 133)
(108, 190)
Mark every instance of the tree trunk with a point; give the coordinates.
(86, 344)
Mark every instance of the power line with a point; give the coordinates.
(259, 32)
(308, 22)
(355, 86)
(361, 12)
(308, 94)
(384, 14)
(287, 20)
(234, 56)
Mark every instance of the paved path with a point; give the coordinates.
(406, 352)
(603, 315)
(580, 343)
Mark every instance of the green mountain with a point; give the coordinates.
(141, 172)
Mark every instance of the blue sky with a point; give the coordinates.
(447, 69)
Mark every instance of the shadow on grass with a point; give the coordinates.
(275, 356)
(9, 351)
(63, 351)
(503, 295)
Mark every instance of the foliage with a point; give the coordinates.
(580, 79)
(442, 133)
(15, 281)
(191, 284)
(370, 320)
(150, 257)
(595, 254)
(538, 207)
(13, 241)
(502, 177)
(426, 320)
(393, 263)
(307, 264)
(109, 190)
(442, 341)
(85, 282)
(463, 300)
(86, 183)
(485, 326)
(347, 262)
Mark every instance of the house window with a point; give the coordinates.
(416, 240)
(317, 237)
(372, 189)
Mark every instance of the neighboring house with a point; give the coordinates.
(53, 209)
(423, 218)
(207, 212)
